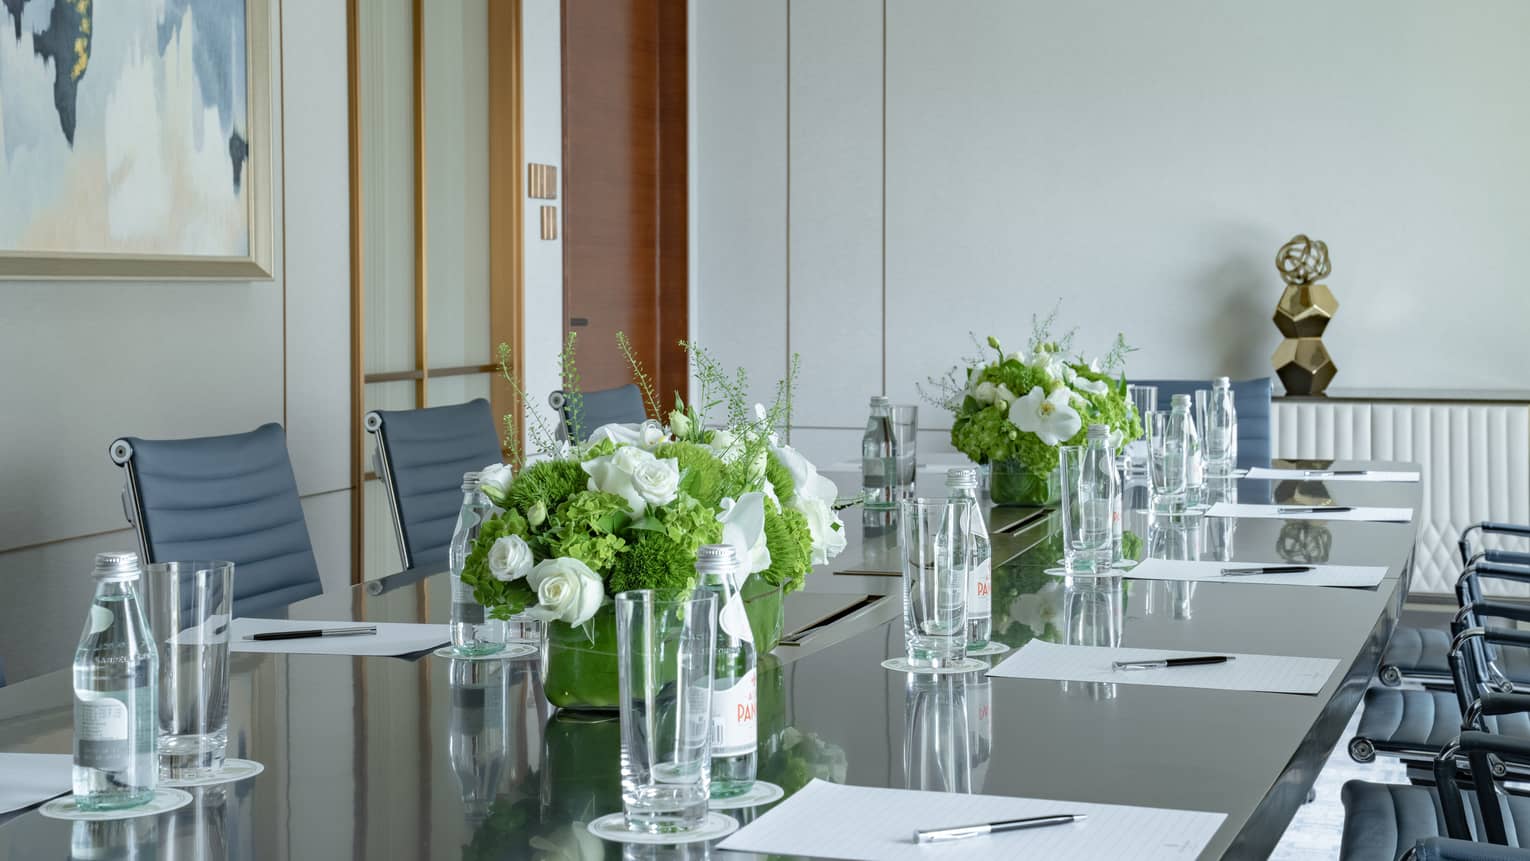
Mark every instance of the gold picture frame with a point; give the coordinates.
(258, 179)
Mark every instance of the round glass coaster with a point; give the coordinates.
(165, 800)
(761, 793)
(233, 770)
(613, 827)
(510, 652)
(992, 647)
(965, 665)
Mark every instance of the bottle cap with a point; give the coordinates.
(469, 482)
(716, 559)
(1180, 400)
(962, 478)
(879, 400)
(1221, 382)
(117, 565)
(1099, 432)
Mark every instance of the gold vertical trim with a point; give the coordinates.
(421, 284)
(353, 92)
(507, 209)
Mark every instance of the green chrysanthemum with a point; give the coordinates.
(549, 482)
(780, 478)
(791, 547)
(656, 562)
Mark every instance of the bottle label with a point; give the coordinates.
(980, 589)
(101, 738)
(733, 718)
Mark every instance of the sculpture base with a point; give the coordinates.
(1304, 366)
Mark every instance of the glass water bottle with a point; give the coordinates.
(961, 483)
(116, 679)
(1099, 500)
(1190, 449)
(1221, 429)
(473, 633)
(735, 724)
(879, 463)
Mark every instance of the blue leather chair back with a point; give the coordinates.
(622, 404)
(1252, 398)
(223, 497)
(421, 456)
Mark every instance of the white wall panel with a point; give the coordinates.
(739, 184)
(836, 208)
(542, 137)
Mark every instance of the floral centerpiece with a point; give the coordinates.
(1014, 409)
(628, 509)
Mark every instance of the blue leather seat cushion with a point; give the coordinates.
(1382, 821)
(1424, 720)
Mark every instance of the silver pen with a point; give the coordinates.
(937, 835)
(356, 631)
(1172, 662)
(1267, 569)
(1313, 509)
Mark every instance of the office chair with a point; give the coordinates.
(623, 404)
(1252, 400)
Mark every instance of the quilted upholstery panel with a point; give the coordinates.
(1475, 460)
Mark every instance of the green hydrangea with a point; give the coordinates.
(658, 562)
(791, 547)
(780, 478)
(606, 446)
(587, 527)
(701, 473)
(549, 482)
(686, 522)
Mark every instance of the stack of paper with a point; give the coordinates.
(32, 778)
(1357, 576)
(391, 639)
(1297, 512)
(1333, 475)
(1271, 673)
(859, 823)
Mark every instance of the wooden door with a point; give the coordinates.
(624, 157)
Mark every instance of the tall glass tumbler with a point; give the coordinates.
(905, 424)
(1078, 557)
(1167, 467)
(934, 580)
(189, 605)
(665, 651)
(1145, 399)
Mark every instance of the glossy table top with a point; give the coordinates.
(430, 758)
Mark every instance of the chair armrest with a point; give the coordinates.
(1503, 557)
(1467, 587)
(1477, 747)
(1489, 526)
(1495, 610)
(1493, 704)
(1447, 849)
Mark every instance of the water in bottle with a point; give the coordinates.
(735, 725)
(1221, 443)
(116, 679)
(962, 483)
(1190, 448)
(1099, 500)
(473, 634)
(879, 463)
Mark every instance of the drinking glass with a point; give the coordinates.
(189, 605)
(665, 650)
(905, 423)
(1167, 467)
(1145, 399)
(937, 749)
(1078, 556)
(934, 580)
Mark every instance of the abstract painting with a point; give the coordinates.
(128, 143)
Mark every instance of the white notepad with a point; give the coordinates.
(32, 778)
(391, 639)
(1362, 513)
(1269, 673)
(1357, 576)
(1329, 475)
(860, 823)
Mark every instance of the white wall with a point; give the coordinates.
(542, 142)
(1142, 162)
(86, 362)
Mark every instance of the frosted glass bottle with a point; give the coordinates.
(116, 680)
(735, 684)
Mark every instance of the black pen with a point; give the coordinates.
(1173, 662)
(316, 632)
(1269, 569)
(1319, 509)
(1319, 473)
(936, 835)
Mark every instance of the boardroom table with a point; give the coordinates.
(425, 757)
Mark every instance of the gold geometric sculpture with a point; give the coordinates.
(1301, 361)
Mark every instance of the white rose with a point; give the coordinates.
(827, 530)
(636, 476)
(985, 392)
(726, 446)
(494, 480)
(567, 591)
(649, 435)
(510, 559)
(680, 423)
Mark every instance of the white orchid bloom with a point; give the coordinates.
(1092, 387)
(743, 523)
(1050, 417)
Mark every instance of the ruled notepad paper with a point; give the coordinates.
(1262, 472)
(1363, 513)
(1354, 576)
(32, 778)
(392, 638)
(859, 823)
(1270, 673)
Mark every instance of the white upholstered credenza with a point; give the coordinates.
(1474, 448)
